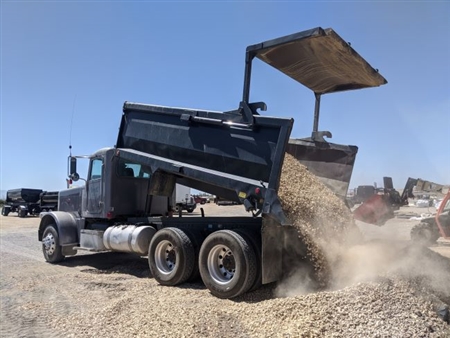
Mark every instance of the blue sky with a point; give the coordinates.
(191, 54)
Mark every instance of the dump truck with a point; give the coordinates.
(26, 201)
(237, 155)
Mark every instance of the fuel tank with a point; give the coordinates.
(128, 238)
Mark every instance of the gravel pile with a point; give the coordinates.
(388, 307)
(368, 290)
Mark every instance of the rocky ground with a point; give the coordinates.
(387, 288)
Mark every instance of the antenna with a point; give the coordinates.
(71, 124)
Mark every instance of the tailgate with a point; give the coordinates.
(331, 163)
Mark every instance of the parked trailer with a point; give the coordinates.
(237, 155)
(26, 201)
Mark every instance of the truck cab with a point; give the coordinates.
(115, 189)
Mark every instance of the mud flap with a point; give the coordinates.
(68, 250)
(271, 250)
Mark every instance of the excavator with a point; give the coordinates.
(379, 207)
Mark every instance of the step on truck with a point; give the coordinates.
(237, 155)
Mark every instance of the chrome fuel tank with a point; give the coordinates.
(128, 238)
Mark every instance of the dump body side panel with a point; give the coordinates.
(207, 141)
(216, 153)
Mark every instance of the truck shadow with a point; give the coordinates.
(137, 266)
(110, 263)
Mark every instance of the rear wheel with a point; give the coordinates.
(425, 234)
(51, 246)
(171, 256)
(6, 210)
(196, 239)
(227, 264)
(255, 242)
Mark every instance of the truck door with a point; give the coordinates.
(94, 188)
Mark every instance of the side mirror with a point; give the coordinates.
(73, 169)
(74, 177)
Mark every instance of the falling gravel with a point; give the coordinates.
(324, 223)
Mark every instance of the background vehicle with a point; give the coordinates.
(432, 229)
(200, 200)
(183, 199)
(378, 204)
(237, 155)
(26, 201)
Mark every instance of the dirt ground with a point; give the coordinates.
(44, 300)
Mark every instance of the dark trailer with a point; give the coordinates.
(27, 201)
(22, 201)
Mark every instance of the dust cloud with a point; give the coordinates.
(336, 255)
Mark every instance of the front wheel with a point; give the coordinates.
(227, 264)
(50, 245)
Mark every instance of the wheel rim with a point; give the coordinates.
(165, 257)
(49, 244)
(221, 264)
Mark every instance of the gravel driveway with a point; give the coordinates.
(113, 295)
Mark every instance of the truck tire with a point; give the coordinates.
(50, 245)
(196, 240)
(171, 257)
(227, 264)
(425, 234)
(255, 242)
(22, 213)
(6, 210)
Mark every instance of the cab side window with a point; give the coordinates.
(96, 169)
(134, 170)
